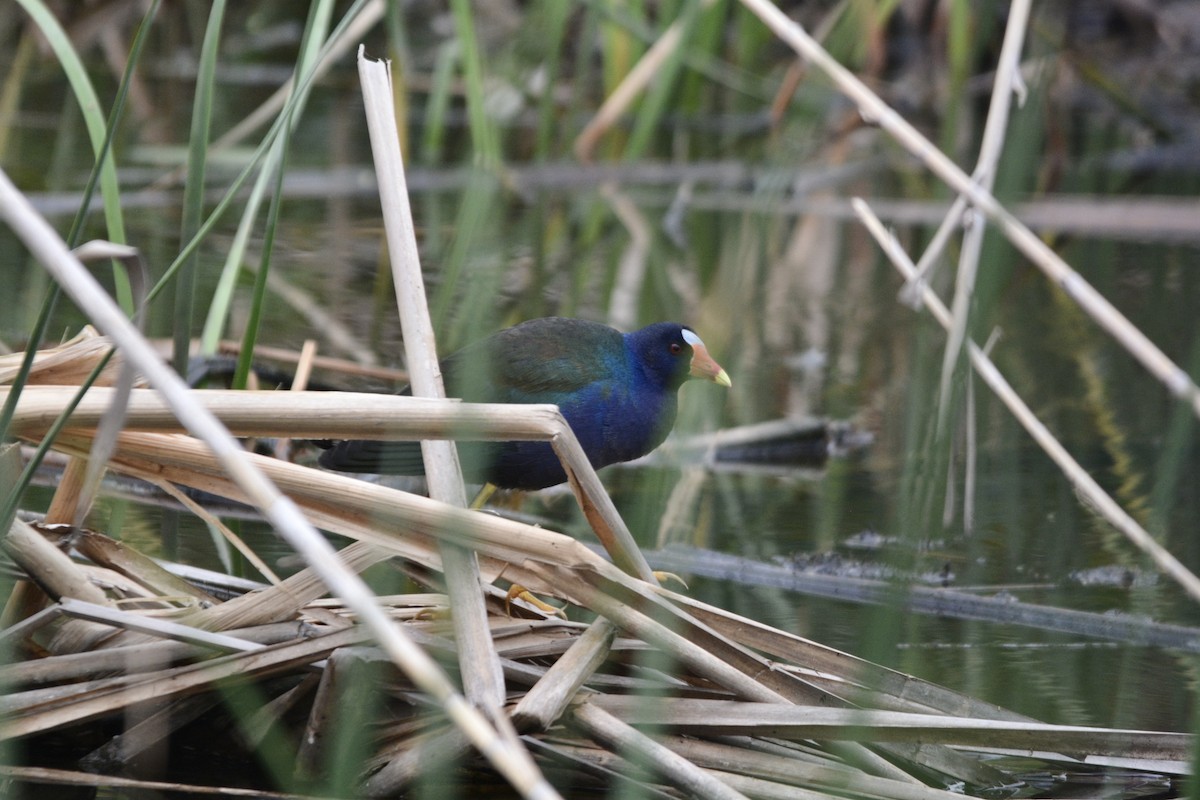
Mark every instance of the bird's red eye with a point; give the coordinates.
(676, 348)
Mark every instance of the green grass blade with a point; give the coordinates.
(193, 193)
(254, 164)
(660, 99)
(242, 374)
(103, 158)
(315, 32)
(483, 133)
(96, 124)
(311, 48)
(440, 92)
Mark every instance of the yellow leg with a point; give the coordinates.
(516, 590)
(484, 495)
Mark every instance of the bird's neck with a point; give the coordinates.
(644, 375)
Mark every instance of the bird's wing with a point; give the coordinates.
(534, 363)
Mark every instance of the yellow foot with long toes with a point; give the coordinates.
(664, 577)
(517, 591)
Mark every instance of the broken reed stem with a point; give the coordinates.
(543, 704)
(1097, 498)
(53, 571)
(295, 414)
(875, 110)
(483, 680)
(49, 249)
(69, 492)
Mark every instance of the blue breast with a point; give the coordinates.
(620, 417)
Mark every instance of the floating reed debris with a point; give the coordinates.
(122, 657)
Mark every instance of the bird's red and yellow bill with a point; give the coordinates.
(703, 365)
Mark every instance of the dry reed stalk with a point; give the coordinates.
(772, 790)
(300, 379)
(68, 493)
(157, 627)
(403, 763)
(302, 414)
(81, 703)
(368, 17)
(26, 602)
(62, 777)
(127, 378)
(548, 699)
(334, 331)
(115, 755)
(68, 364)
(483, 682)
(215, 523)
(266, 718)
(631, 271)
(122, 558)
(187, 462)
(1008, 79)
(304, 365)
(95, 663)
(725, 717)
(675, 643)
(848, 669)
(51, 569)
(797, 772)
(343, 667)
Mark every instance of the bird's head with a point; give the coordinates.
(673, 353)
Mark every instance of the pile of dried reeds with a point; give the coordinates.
(124, 653)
